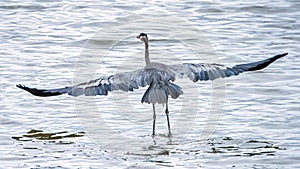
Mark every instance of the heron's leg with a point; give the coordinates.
(154, 118)
(167, 113)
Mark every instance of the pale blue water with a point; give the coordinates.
(43, 43)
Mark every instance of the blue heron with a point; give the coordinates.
(158, 77)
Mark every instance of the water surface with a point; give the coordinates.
(44, 43)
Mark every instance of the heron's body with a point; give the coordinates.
(158, 76)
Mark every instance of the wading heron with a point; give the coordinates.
(158, 76)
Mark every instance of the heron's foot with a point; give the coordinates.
(153, 135)
(170, 135)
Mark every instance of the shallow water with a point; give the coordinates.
(248, 121)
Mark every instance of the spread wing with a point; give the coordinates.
(204, 71)
(154, 72)
(127, 81)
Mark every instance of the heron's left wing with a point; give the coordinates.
(127, 81)
(204, 71)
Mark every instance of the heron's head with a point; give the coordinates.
(143, 37)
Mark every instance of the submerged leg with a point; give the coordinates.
(154, 118)
(167, 113)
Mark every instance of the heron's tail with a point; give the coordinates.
(158, 92)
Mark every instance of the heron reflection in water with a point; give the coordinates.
(158, 76)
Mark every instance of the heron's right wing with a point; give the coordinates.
(203, 71)
(127, 81)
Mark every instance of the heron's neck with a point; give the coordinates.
(147, 52)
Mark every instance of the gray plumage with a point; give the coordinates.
(159, 76)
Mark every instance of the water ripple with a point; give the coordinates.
(41, 43)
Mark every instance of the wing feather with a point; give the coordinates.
(203, 71)
(120, 81)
